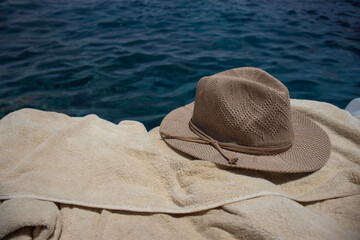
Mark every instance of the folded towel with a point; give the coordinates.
(18, 216)
(91, 163)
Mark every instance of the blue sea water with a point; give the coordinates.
(141, 59)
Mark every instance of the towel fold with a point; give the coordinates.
(29, 219)
(127, 176)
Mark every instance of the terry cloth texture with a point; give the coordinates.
(87, 178)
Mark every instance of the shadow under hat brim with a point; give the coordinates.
(309, 151)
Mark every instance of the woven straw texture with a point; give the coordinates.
(248, 107)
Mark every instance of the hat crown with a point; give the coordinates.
(245, 106)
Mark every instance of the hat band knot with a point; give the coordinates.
(221, 146)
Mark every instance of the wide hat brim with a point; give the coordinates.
(309, 152)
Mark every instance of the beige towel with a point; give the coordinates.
(17, 216)
(106, 170)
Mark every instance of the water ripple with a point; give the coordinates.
(141, 59)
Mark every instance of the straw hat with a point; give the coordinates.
(242, 118)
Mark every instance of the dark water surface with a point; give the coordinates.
(140, 59)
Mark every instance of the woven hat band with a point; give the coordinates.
(220, 146)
